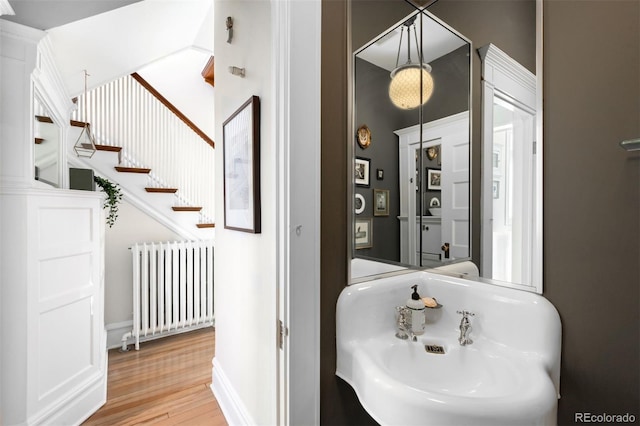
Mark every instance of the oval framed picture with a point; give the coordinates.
(364, 136)
(359, 203)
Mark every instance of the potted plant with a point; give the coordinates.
(114, 196)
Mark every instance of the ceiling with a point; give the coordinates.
(47, 14)
(168, 42)
(437, 41)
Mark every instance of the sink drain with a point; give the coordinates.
(434, 349)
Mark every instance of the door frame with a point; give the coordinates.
(296, 37)
(503, 77)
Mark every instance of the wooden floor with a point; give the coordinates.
(166, 382)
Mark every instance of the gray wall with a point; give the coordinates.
(592, 200)
(374, 110)
(591, 196)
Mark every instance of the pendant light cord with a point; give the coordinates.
(409, 42)
(84, 103)
(415, 34)
(408, 24)
(400, 46)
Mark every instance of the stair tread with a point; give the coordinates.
(186, 209)
(44, 119)
(206, 225)
(162, 190)
(108, 148)
(76, 123)
(132, 169)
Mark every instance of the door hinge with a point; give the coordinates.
(534, 147)
(282, 333)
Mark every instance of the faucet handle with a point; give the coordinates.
(401, 313)
(402, 322)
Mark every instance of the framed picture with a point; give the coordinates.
(359, 203)
(380, 174)
(434, 177)
(432, 152)
(364, 136)
(241, 168)
(363, 233)
(363, 171)
(381, 202)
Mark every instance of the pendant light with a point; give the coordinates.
(407, 80)
(85, 146)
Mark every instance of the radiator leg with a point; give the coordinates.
(124, 347)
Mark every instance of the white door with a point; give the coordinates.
(508, 181)
(512, 157)
(455, 188)
(452, 134)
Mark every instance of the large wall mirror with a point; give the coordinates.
(47, 145)
(428, 187)
(413, 164)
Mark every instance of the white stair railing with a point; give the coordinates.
(123, 113)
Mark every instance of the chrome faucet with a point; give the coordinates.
(403, 324)
(465, 328)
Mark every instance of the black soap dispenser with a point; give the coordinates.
(416, 307)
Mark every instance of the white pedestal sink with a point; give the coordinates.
(508, 376)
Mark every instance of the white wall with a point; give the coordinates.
(123, 40)
(178, 78)
(132, 226)
(245, 264)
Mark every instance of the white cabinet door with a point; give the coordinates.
(55, 300)
(66, 343)
(455, 187)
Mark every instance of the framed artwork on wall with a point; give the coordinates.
(364, 136)
(433, 151)
(241, 168)
(363, 171)
(381, 202)
(359, 203)
(434, 178)
(363, 233)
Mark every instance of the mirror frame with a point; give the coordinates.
(537, 251)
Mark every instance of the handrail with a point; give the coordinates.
(172, 108)
(123, 113)
(208, 72)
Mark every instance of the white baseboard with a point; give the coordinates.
(115, 331)
(230, 403)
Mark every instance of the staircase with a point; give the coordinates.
(163, 166)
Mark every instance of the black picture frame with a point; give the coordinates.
(362, 172)
(241, 168)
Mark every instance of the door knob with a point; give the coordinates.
(445, 249)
